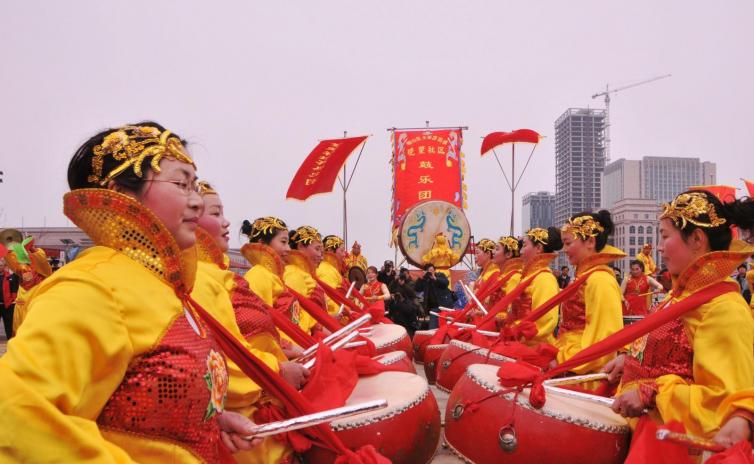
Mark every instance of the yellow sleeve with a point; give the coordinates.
(544, 287)
(328, 274)
(723, 364)
(68, 358)
(740, 400)
(604, 316)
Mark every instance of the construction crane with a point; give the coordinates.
(606, 94)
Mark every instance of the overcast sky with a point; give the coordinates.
(254, 85)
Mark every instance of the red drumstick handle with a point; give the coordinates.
(689, 441)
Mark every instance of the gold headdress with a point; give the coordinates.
(583, 226)
(266, 225)
(538, 235)
(132, 145)
(306, 235)
(333, 242)
(205, 188)
(689, 208)
(486, 245)
(510, 243)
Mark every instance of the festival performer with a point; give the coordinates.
(645, 256)
(594, 311)
(355, 258)
(484, 251)
(30, 264)
(252, 323)
(637, 290)
(508, 258)
(683, 371)
(375, 291)
(301, 263)
(441, 256)
(537, 253)
(112, 364)
(330, 270)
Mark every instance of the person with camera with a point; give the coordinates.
(436, 293)
(387, 273)
(403, 307)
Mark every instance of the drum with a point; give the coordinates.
(565, 430)
(421, 224)
(397, 360)
(457, 357)
(431, 357)
(420, 341)
(406, 432)
(390, 337)
(357, 274)
(628, 320)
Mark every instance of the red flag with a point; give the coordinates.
(318, 172)
(496, 139)
(724, 193)
(750, 187)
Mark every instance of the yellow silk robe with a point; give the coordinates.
(328, 272)
(542, 288)
(298, 276)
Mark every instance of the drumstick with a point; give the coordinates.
(447, 309)
(339, 344)
(309, 420)
(576, 379)
(601, 400)
(348, 295)
(467, 326)
(476, 300)
(689, 441)
(354, 344)
(338, 333)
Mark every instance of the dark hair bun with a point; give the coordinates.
(606, 220)
(246, 228)
(740, 212)
(554, 242)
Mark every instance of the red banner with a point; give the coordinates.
(724, 193)
(318, 172)
(495, 139)
(427, 165)
(750, 187)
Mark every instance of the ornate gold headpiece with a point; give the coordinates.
(486, 245)
(538, 235)
(333, 242)
(583, 226)
(266, 225)
(132, 145)
(306, 235)
(205, 188)
(689, 208)
(511, 243)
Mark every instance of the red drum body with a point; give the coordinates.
(565, 430)
(431, 357)
(406, 432)
(421, 338)
(390, 337)
(457, 357)
(397, 360)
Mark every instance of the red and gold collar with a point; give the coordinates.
(539, 263)
(118, 221)
(711, 268)
(511, 265)
(296, 258)
(207, 249)
(259, 254)
(606, 256)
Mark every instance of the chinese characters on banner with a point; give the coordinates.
(427, 165)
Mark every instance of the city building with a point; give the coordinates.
(636, 223)
(538, 210)
(664, 177)
(621, 179)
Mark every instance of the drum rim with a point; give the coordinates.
(384, 414)
(438, 346)
(387, 343)
(545, 411)
(391, 356)
(481, 351)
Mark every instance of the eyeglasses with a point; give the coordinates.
(186, 187)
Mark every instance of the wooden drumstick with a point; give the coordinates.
(576, 379)
(596, 399)
(337, 334)
(689, 441)
(339, 344)
(476, 300)
(348, 295)
(467, 326)
(309, 420)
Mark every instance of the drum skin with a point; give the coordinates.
(431, 357)
(406, 432)
(423, 221)
(580, 435)
(420, 340)
(396, 360)
(457, 357)
(390, 337)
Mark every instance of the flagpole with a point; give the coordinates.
(513, 185)
(345, 204)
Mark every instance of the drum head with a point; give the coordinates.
(357, 274)
(424, 221)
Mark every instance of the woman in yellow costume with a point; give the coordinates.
(330, 270)
(252, 322)
(685, 369)
(507, 257)
(31, 266)
(594, 311)
(111, 363)
(484, 251)
(537, 253)
(305, 256)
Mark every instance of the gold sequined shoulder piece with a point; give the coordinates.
(540, 262)
(259, 254)
(712, 267)
(119, 222)
(296, 258)
(208, 250)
